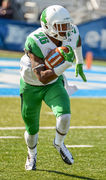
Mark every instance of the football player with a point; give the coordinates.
(38, 84)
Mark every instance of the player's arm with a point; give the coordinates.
(37, 63)
(79, 61)
(44, 75)
(51, 74)
(78, 52)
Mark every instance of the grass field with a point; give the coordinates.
(90, 162)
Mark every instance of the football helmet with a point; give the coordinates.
(56, 22)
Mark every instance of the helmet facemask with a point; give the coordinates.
(59, 31)
(62, 30)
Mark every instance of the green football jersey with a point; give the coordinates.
(40, 45)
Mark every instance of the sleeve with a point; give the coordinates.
(78, 55)
(31, 45)
(74, 38)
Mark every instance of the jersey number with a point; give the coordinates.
(42, 38)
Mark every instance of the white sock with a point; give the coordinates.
(59, 139)
(31, 141)
(62, 127)
(32, 152)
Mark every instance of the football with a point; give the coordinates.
(55, 58)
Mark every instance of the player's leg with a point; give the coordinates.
(30, 109)
(58, 100)
(62, 127)
(31, 141)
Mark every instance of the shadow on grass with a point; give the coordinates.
(65, 174)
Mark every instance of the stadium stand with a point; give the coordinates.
(6, 10)
(81, 11)
(31, 11)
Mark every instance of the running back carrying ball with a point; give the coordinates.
(55, 57)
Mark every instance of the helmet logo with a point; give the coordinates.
(43, 17)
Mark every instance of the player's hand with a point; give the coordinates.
(68, 56)
(79, 70)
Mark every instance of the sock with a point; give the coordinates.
(32, 152)
(59, 139)
(31, 141)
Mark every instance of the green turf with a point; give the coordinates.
(85, 111)
(10, 54)
(90, 163)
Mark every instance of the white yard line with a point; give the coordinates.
(12, 128)
(9, 137)
(9, 63)
(69, 146)
(72, 127)
(78, 146)
(87, 127)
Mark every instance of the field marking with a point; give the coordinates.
(87, 127)
(9, 137)
(53, 127)
(95, 85)
(78, 146)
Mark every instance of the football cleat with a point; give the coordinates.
(31, 162)
(64, 153)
